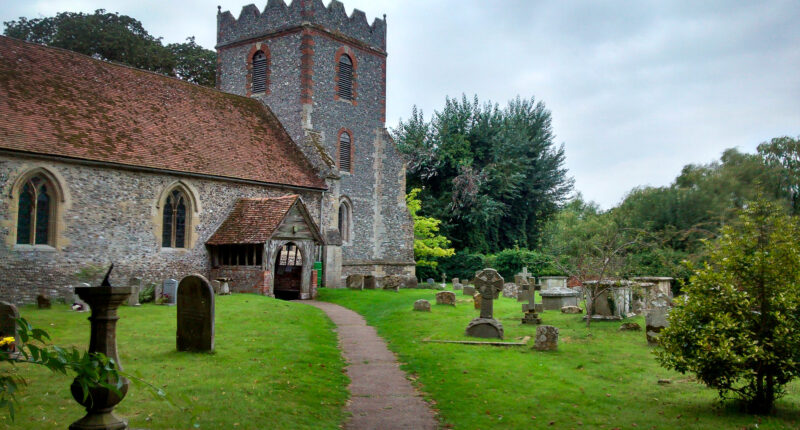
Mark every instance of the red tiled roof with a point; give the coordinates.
(61, 103)
(252, 220)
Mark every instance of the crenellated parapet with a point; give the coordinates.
(278, 16)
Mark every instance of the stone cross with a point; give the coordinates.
(529, 309)
(8, 321)
(195, 314)
(489, 284)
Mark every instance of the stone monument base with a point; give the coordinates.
(603, 318)
(531, 318)
(485, 328)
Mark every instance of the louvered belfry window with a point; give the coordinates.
(345, 90)
(344, 151)
(259, 72)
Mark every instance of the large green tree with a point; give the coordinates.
(737, 327)
(493, 176)
(120, 38)
(429, 245)
(783, 154)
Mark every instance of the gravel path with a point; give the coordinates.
(380, 395)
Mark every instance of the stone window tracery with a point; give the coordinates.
(36, 212)
(175, 219)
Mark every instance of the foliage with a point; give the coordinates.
(598, 379)
(492, 176)
(148, 293)
(783, 154)
(737, 328)
(429, 245)
(90, 369)
(509, 262)
(119, 38)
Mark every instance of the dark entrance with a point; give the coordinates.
(288, 272)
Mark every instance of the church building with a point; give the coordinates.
(285, 166)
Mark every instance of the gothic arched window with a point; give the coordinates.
(36, 210)
(345, 87)
(345, 220)
(259, 72)
(345, 151)
(176, 212)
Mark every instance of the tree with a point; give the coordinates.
(737, 327)
(428, 244)
(493, 176)
(120, 38)
(783, 153)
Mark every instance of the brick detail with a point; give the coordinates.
(306, 68)
(349, 51)
(352, 147)
(260, 46)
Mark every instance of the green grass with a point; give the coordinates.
(598, 379)
(275, 365)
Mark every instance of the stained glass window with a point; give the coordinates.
(34, 214)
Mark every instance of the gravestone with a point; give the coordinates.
(546, 338)
(355, 282)
(369, 282)
(456, 281)
(136, 287)
(410, 281)
(489, 284)
(8, 322)
(476, 300)
(611, 299)
(429, 281)
(169, 291)
(216, 285)
(548, 282)
(195, 314)
(77, 304)
(457, 287)
(446, 298)
(510, 290)
(43, 302)
(468, 290)
(522, 285)
(422, 305)
(530, 314)
(392, 282)
(224, 288)
(557, 298)
(655, 317)
(571, 310)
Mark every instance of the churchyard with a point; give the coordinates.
(276, 364)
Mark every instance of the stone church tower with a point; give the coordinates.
(323, 74)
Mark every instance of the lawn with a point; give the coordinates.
(599, 378)
(276, 365)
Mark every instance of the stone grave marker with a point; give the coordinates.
(136, 287)
(369, 282)
(195, 314)
(422, 305)
(8, 323)
(216, 285)
(456, 281)
(355, 282)
(556, 298)
(429, 281)
(392, 282)
(43, 302)
(224, 288)
(468, 290)
(489, 284)
(410, 281)
(655, 318)
(510, 290)
(546, 338)
(446, 298)
(522, 285)
(78, 304)
(529, 312)
(170, 290)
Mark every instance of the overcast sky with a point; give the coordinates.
(637, 89)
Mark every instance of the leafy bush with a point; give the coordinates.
(737, 326)
(462, 266)
(148, 293)
(509, 262)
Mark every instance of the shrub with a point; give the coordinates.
(148, 293)
(463, 265)
(509, 262)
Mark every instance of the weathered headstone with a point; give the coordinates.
(410, 281)
(369, 282)
(530, 314)
(468, 290)
(392, 282)
(446, 298)
(457, 287)
(571, 310)
(422, 305)
(558, 297)
(489, 284)
(224, 288)
(456, 281)
(355, 282)
(546, 338)
(510, 290)
(656, 317)
(43, 302)
(216, 285)
(429, 281)
(522, 285)
(8, 321)
(136, 287)
(195, 314)
(169, 291)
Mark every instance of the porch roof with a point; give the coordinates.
(255, 220)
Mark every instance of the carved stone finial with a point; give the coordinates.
(106, 282)
(219, 9)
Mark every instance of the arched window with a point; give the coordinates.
(259, 72)
(345, 87)
(345, 151)
(345, 220)
(176, 213)
(36, 212)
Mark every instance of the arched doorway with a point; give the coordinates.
(288, 272)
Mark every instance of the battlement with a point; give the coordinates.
(277, 16)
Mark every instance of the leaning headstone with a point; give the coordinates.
(546, 338)
(8, 321)
(169, 291)
(195, 314)
(468, 290)
(369, 282)
(489, 284)
(510, 290)
(446, 298)
(355, 282)
(43, 302)
(392, 282)
(422, 305)
(136, 287)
